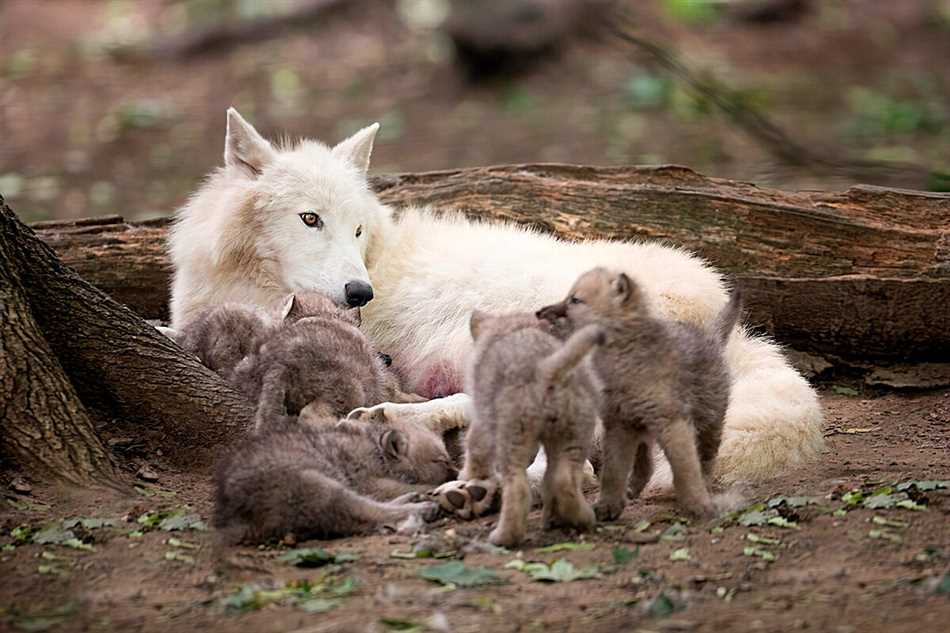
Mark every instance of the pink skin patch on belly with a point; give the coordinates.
(439, 380)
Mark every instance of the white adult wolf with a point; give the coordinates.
(275, 220)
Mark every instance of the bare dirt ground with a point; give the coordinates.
(880, 563)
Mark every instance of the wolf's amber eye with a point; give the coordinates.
(359, 230)
(312, 219)
(573, 299)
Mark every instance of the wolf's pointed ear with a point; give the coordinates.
(358, 148)
(624, 289)
(475, 323)
(394, 444)
(290, 303)
(244, 148)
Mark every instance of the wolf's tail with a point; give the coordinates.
(727, 318)
(555, 367)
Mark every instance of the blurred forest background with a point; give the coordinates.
(118, 106)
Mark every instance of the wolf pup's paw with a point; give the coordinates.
(467, 499)
(606, 510)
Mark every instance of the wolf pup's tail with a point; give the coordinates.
(270, 407)
(555, 367)
(727, 318)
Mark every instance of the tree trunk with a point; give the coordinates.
(859, 275)
(69, 347)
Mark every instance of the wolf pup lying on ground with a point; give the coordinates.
(320, 478)
(275, 220)
(317, 357)
(664, 381)
(529, 389)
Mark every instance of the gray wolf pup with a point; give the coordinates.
(529, 389)
(664, 381)
(319, 478)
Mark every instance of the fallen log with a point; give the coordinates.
(861, 274)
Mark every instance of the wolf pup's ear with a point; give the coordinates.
(475, 323)
(244, 148)
(623, 288)
(357, 149)
(290, 307)
(395, 444)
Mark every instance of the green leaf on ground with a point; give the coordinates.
(53, 535)
(560, 570)
(754, 517)
(395, 624)
(457, 574)
(315, 557)
(151, 519)
(794, 502)
(759, 552)
(661, 606)
(179, 557)
(75, 543)
(676, 532)
(22, 534)
(564, 547)
(681, 554)
(782, 522)
(182, 521)
(923, 486)
(887, 535)
(764, 540)
(623, 555)
(89, 523)
(889, 522)
(841, 390)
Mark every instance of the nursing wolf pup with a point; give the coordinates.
(320, 358)
(530, 390)
(275, 220)
(664, 381)
(320, 478)
(222, 336)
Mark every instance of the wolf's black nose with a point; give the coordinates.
(358, 293)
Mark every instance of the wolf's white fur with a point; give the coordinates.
(240, 239)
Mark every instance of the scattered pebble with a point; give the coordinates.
(21, 486)
(145, 473)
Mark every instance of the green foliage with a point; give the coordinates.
(559, 571)
(456, 574)
(692, 11)
(315, 557)
(565, 547)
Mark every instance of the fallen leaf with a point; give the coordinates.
(457, 574)
(759, 552)
(886, 535)
(676, 532)
(560, 570)
(681, 554)
(623, 555)
(923, 486)
(315, 557)
(889, 522)
(53, 535)
(179, 557)
(319, 605)
(182, 522)
(756, 538)
(174, 542)
(394, 624)
(565, 547)
(844, 391)
(661, 606)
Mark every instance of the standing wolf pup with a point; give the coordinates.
(664, 381)
(529, 389)
(275, 220)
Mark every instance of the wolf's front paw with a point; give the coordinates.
(468, 499)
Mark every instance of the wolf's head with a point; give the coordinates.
(310, 215)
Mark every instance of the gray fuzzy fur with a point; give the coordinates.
(319, 478)
(664, 382)
(529, 389)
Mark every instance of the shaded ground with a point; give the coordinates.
(867, 569)
(83, 134)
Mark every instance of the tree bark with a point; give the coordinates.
(74, 348)
(860, 274)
